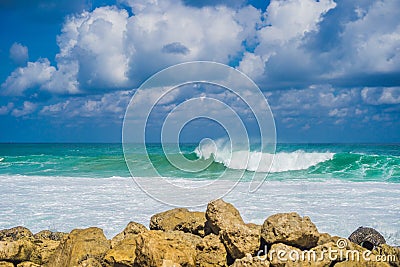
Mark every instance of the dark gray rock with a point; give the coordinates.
(367, 237)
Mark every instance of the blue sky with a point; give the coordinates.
(329, 69)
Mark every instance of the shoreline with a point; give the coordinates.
(217, 236)
(67, 203)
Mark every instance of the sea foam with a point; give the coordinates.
(65, 203)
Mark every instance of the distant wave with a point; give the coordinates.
(1, 159)
(308, 164)
(360, 165)
(261, 162)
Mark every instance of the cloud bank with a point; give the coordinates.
(108, 49)
(318, 62)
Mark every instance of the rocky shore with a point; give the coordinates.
(217, 237)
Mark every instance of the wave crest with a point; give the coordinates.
(261, 162)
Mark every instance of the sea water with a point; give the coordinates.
(65, 186)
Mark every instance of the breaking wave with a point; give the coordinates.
(263, 162)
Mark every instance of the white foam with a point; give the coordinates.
(65, 203)
(261, 162)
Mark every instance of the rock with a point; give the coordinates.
(254, 226)
(78, 246)
(17, 245)
(131, 229)
(14, 233)
(27, 264)
(122, 254)
(324, 238)
(17, 251)
(46, 244)
(327, 254)
(289, 240)
(320, 256)
(344, 252)
(367, 237)
(157, 248)
(392, 254)
(250, 261)
(221, 215)
(210, 252)
(361, 264)
(179, 219)
(281, 255)
(290, 229)
(49, 235)
(124, 246)
(240, 240)
(91, 262)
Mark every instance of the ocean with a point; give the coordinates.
(65, 186)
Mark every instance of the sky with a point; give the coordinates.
(329, 69)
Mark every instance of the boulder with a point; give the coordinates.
(290, 229)
(344, 252)
(78, 246)
(124, 246)
(250, 261)
(18, 245)
(224, 219)
(49, 235)
(158, 248)
(210, 252)
(328, 254)
(15, 233)
(367, 237)
(46, 244)
(282, 255)
(179, 219)
(324, 238)
(221, 215)
(323, 255)
(392, 254)
(122, 254)
(6, 264)
(132, 229)
(240, 240)
(17, 251)
(320, 256)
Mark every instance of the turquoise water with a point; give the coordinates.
(66, 186)
(353, 162)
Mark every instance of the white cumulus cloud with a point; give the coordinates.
(372, 42)
(19, 53)
(108, 49)
(287, 22)
(207, 33)
(34, 74)
(381, 95)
